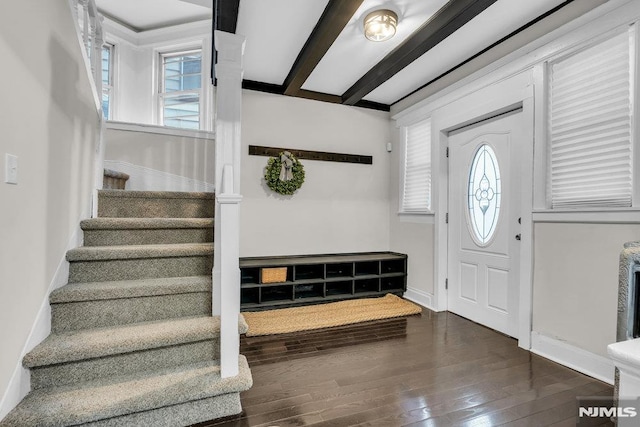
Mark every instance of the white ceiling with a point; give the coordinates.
(277, 30)
(142, 15)
(498, 21)
(352, 55)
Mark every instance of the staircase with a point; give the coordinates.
(133, 342)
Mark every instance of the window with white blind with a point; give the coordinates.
(180, 87)
(590, 123)
(416, 182)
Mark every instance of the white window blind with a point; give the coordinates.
(590, 114)
(180, 89)
(416, 195)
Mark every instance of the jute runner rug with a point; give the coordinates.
(319, 316)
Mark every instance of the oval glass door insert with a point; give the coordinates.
(483, 195)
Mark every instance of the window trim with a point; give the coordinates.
(414, 215)
(109, 88)
(543, 205)
(160, 94)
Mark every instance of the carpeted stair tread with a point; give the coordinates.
(92, 291)
(108, 253)
(144, 223)
(100, 342)
(157, 194)
(95, 401)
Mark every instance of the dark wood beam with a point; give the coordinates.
(323, 156)
(225, 18)
(226, 15)
(333, 20)
(445, 22)
(307, 94)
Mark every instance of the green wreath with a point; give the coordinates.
(274, 170)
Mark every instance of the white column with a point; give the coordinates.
(226, 271)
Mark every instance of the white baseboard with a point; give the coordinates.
(20, 382)
(420, 297)
(573, 357)
(147, 179)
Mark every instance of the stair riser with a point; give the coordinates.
(103, 313)
(145, 268)
(136, 207)
(147, 237)
(123, 364)
(193, 412)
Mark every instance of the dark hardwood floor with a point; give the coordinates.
(437, 369)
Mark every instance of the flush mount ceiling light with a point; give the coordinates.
(380, 25)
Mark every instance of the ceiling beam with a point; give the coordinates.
(335, 17)
(445, 22)
(225, 18)
(225, 15)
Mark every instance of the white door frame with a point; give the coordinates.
(482, 104)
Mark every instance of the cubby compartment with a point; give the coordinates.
(367, 285)
(275, 293)
(309, 271)
(250, 275)
(312, 278)
(249, 296)
(392, 283)
(309, 290)
(367, 268)
(392, 266)
(343, 269)
(339, 288)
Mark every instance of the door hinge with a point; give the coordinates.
(446, 218)
(446, 283)
(447, 152)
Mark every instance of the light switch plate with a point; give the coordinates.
(10, 169)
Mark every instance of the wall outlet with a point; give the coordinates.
(10, 169)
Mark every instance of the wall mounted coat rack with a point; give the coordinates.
(257, 150)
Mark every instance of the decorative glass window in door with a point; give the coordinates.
(484, 194)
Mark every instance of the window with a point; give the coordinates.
(416, 191)
(180, 85)
(107, 80)
(483, 194)
(590, 111)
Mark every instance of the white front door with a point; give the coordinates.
(484, 221)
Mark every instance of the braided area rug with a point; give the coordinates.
(284, 320)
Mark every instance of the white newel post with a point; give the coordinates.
(226, 270)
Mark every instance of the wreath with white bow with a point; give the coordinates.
(284, 174)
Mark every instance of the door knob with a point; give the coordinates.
(518, 237)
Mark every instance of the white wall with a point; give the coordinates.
(575, 291)
(161, 159)
(341, 207)
(49, 119)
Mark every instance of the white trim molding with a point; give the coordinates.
(608, 216)
(573, 357)
(420, 297)
(160, 130)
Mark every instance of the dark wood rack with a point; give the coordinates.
(313, 279)
(323, 156)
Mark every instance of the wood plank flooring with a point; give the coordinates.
(437, 369)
